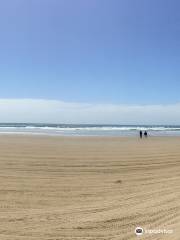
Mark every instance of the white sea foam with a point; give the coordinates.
(87, 129)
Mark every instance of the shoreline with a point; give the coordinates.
(88, 129)
(29, 134)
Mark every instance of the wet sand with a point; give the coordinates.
(87, 188)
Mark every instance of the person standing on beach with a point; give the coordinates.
(140, 134)
(145, 134)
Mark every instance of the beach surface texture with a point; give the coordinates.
(89, 188)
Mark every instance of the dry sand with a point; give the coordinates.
(54, 188)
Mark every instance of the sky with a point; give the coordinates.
(55, 111)
(90, 53)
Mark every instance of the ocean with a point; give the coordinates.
(88, 129)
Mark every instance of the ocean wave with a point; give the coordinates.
(89, 128)
(107, 128)
(62, 129)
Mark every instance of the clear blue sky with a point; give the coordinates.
(95, 51)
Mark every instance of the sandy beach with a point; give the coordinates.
(87, 188)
